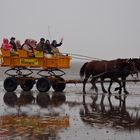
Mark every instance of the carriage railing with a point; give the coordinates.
(22, 59)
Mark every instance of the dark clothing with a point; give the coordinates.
(13, 46)
(56, 45)
(49, 49)
(41, 47)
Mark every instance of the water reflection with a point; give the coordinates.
(118, 117)
(43, 100)
(25, 98)
(31, 127)
(27, 126)
(58, 99)
(10, 98)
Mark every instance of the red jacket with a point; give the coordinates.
(6, 45)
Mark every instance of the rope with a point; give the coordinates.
(82, 57)
(98, 75)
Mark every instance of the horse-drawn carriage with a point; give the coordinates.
(49, 71)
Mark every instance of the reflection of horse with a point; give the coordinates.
(106, 69)
(112, 116)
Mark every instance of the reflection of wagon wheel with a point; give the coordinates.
(43, 99)
(28, 85)
(58, 99)
(10, 98)
(26, 98)
(58, 84)
(10, 84)
(43, 84)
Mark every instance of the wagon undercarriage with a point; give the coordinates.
(44, 79)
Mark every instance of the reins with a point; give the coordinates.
(98, 75)
(82, 57)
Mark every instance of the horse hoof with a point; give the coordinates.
(96, 91)
(117, 97)
(126, 92)
(117, 88)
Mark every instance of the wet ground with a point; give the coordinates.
(63, 116)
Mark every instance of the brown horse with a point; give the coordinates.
(104, 69)
(133, 67)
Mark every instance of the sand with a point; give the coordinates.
(64, 115)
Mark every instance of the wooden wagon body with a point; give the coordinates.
(41, 62)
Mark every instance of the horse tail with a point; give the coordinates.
(82, 70)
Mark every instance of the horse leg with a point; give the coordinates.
(84, 102)
(94, 85)
(84, 85)
(120, 88)
(124, 85)
(102, 85)
(110, 103)
(109, 88)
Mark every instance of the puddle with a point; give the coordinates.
(63, 116)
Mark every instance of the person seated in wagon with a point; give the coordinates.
(7, 46)
(41, 45)
(55, 45)
(42, 48)
(49, 49)
(27, 47)
(13, 44)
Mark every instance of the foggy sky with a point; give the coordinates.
(105, 29)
